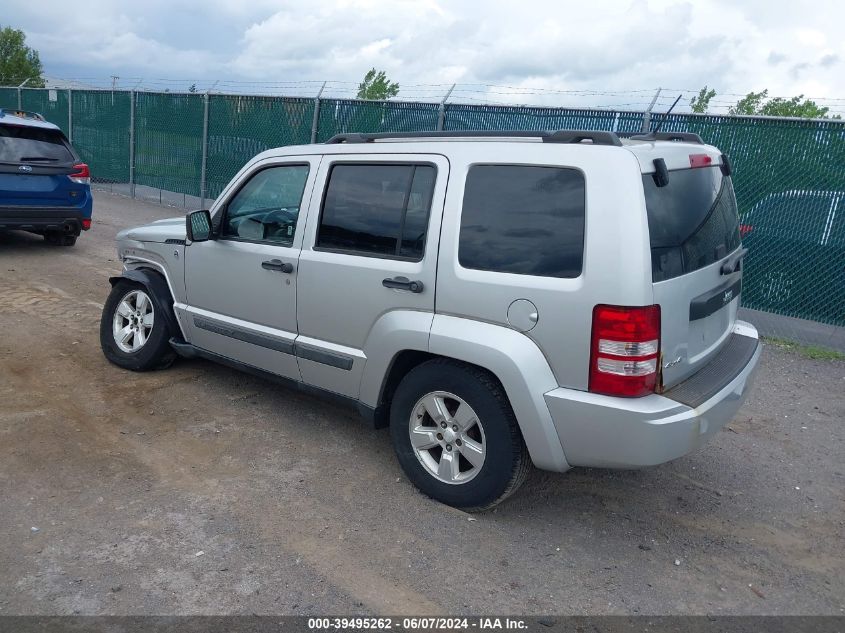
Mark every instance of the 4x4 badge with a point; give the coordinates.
(26, 168)
(729, 294)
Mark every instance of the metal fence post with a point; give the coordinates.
(70, 115)
(441, 111)
(203, 178)
(315, 122)
(132, 143)
(20, 100)
(647, 113)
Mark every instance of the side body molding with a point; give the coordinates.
(522, 369)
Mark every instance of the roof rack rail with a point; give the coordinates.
(686, 137)
(560, 136)
(23, 114)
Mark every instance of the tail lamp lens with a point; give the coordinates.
(81, 174)
(625, 349)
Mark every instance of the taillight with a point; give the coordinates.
(625, 350)
(700, 160)
(745, 229)
(86, 224)
(80, 174)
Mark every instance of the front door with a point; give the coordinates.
(241, 286)
(369, 260)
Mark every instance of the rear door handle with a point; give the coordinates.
(277, 264)
(403, 283)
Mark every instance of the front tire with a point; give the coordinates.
(456, 436)
(133, 330)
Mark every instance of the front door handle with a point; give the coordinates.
(403, 283)
(277, 264)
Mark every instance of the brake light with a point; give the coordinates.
(86, 224)
(745, 229)
(625, 350)
(700, 160)
(80, 174)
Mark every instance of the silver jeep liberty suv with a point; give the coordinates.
(496, 299)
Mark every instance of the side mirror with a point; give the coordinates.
(198, 226)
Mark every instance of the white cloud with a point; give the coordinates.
(605, 46)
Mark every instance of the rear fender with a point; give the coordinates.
(521, 368)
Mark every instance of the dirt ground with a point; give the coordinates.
(199, 490)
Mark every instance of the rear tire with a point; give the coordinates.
(133, 330)
(485, 456)
(60, 239)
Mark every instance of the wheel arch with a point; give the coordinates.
(158, 288)
(513, 360)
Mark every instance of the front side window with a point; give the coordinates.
(267, 207)
(523, 219)
(375, 209)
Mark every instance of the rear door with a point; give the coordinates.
(694, 231)
(34, 167)
(369, 260)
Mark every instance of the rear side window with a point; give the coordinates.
(379, 210)
(692, 221)
(19, 144)
(523, 219)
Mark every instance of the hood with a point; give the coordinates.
(158, 231)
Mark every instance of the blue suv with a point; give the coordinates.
(44, 187)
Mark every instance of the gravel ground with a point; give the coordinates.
(201, 490)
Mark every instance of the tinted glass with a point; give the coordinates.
(26, 144)
(367, 209)
(692, 221)
(267, 207)
(524, 220)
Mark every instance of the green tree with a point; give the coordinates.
(796, 107)
(750, 103)
(377, 87)
(701, 102)
(18, 62)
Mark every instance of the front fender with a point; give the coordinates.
(521, 368)
(159, 292)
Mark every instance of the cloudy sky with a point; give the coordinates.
(599, 52)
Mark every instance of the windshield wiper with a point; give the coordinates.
(30, 159)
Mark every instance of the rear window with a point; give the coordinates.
(692, 221)
(523, 219)
(19, 144)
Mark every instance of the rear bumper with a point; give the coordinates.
(609, 432)
(68, 220)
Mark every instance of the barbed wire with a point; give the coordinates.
(477, 93)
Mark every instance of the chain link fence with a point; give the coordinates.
(789, 174)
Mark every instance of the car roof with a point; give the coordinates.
(674, 148)
(25, 118)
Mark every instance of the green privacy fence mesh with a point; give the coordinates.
(789, 174)
(100, 131)
(241, 126)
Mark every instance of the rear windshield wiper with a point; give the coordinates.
(30, 159)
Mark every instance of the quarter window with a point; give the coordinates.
(267, 207)
(523, 219)
(377, 209)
